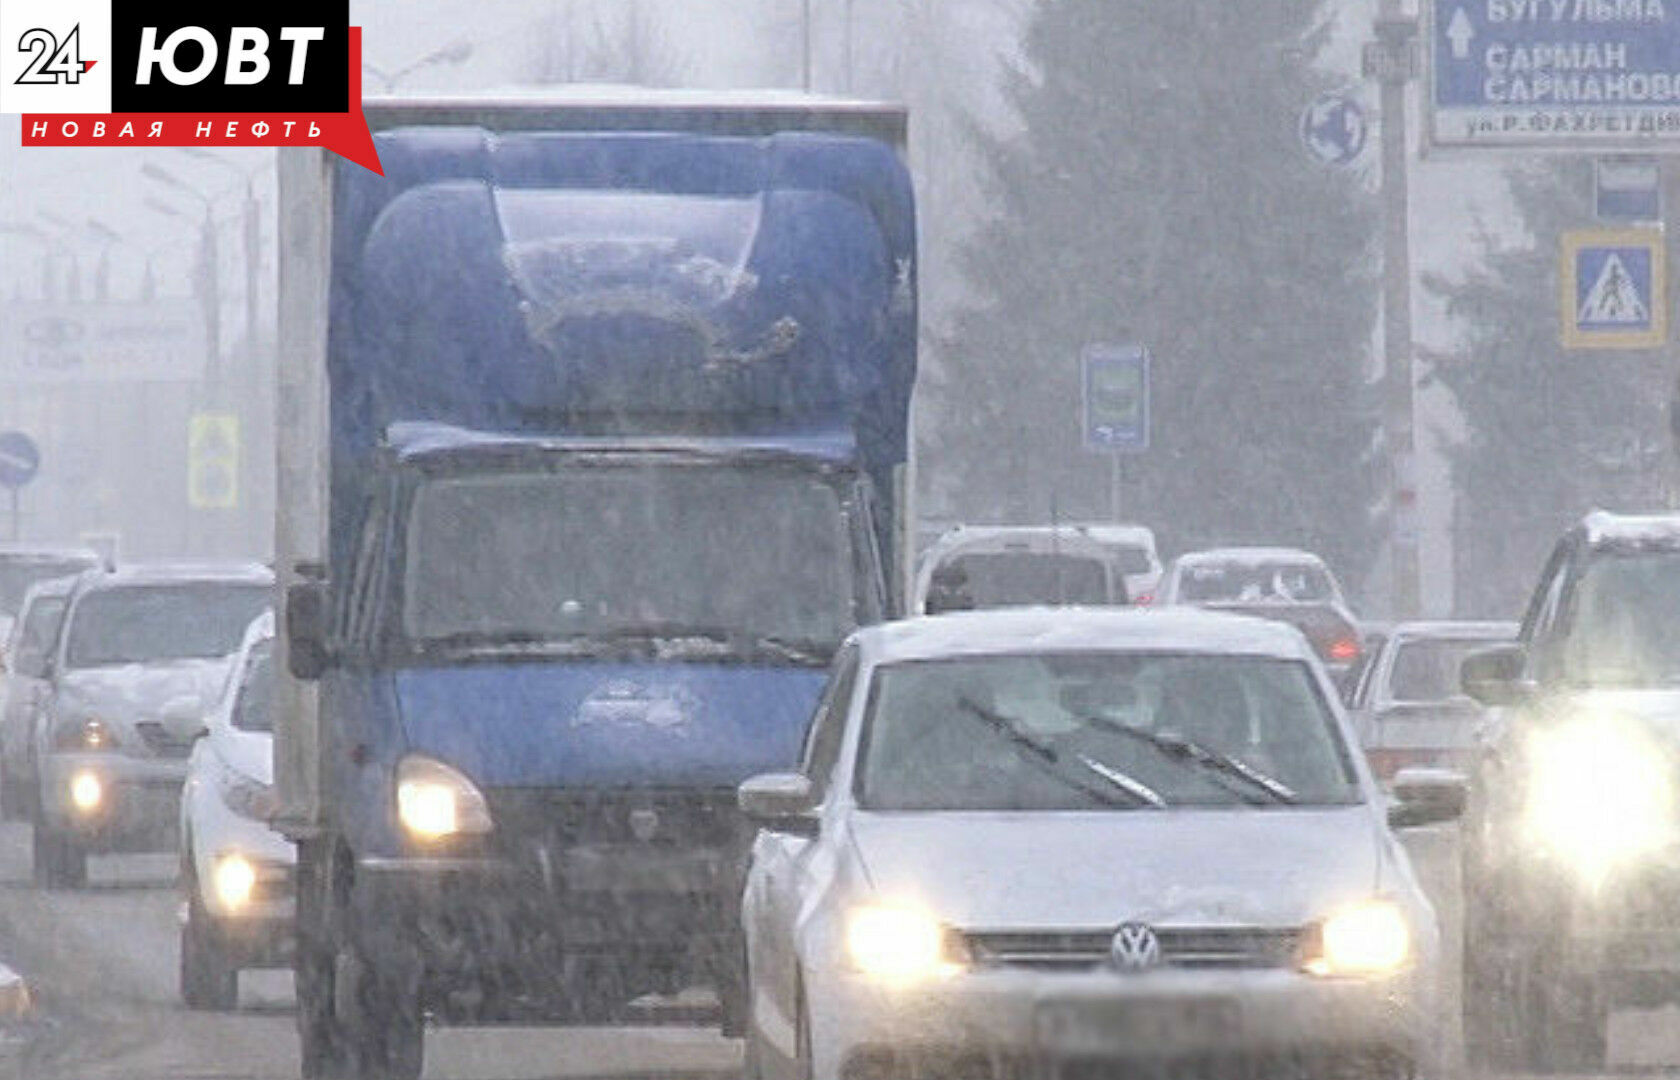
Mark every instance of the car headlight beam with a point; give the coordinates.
(436, 801)
(898, 944)
(86, 792)
(1598, 797)
(1368, 938)
(234, 880)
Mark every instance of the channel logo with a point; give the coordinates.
(137, 73)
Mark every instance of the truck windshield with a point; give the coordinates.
(152, 623)
(611, 550)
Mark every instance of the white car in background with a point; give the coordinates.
(1048, 842)
(236, 871)
(1134, 555)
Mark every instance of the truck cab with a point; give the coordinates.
(611, 460)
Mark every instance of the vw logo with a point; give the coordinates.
(644, 823)
(1135, 948)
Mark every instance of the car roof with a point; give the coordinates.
(1454, 628)
(1249, 555)
(1073, 629)
(13, 551)
(58, 586)
(167, 573)
(1034, 538)
(1604, 529)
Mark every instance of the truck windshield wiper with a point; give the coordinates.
(738, 641)
(1046, 759)
(1257, 787)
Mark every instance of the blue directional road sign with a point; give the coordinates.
(1116, 398)
(1564, 74)
(20, 458)
(1333, 129)
(1612, 289)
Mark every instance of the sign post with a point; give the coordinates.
(1115, 382)
(20, 460)
(1557, 74)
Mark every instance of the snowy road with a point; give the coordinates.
(102, 964)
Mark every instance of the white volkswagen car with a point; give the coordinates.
(1086, 839)
(236, 871)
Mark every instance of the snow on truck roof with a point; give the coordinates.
(1063, 629)
(1603, 527)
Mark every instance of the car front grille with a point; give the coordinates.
(648, 817)
(160, 742)
(1182, 947)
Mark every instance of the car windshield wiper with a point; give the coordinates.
(1256, 785)
(1047, 758)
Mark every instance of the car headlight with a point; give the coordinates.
(234, 879)
(1368, 938)
(899, 944)
(436, 801)
(1598, 796)
(89, 733)
(87, 791)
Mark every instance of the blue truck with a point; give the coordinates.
(593, 444)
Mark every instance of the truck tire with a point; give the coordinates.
(209, 978)
(58, 861)
(385, 1028)
(323, 1042)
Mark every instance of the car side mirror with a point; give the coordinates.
(1495, 676)
(1427, 797)
(183, 717)
(780, 802)
(307, 654)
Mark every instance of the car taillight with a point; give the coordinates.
(1344, 649)
(1145, 600)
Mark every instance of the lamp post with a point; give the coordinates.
(251, 218)
(49, 290)
(208, 272)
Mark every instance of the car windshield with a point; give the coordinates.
(36, 635)
(142, 624)
(16, 576)
(1426, 669)
(1009, 579)
(1249, 582)
(1622, 625)
(1093, 730)
(614, 550)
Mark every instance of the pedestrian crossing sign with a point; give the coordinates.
(1614, 292)
(213, 461)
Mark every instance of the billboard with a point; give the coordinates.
(160, 340)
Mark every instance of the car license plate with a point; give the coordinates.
(1137, 1027)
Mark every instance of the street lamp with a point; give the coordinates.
(453, 53)
(45, 239)
(208, 271)
(252, 216)
(108, 236)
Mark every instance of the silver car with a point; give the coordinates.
(1084, 840)
(142, 655)
(28, 662)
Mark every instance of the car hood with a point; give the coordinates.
(541, 725)
(127, 693)
(1274, 867)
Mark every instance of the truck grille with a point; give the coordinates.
(642, 816)
(1200, 947)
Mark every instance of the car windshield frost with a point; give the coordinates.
(1622, 626)
(612, 550)
(145, 624)
(1096, 730)
(1013, 578)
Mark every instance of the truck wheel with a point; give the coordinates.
(58, 862)
(209, 978)
(386, 1031)
(324, 1044)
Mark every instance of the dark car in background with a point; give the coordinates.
(1282, 584)
(1407, 707)
(143, 654)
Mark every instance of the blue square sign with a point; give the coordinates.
(1613, 289)
(1116, 398)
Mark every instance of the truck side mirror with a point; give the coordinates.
(1495, 676)
(307, 655)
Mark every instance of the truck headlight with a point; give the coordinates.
(898, 944)
(1368, 938)
(1598, 796)
(435, 801)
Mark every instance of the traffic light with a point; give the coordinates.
(213, 461)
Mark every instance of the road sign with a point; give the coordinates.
(20, 459)
(1627, 189)
(213, 461)
(1116, 398)
(1565, 74)
(1613, 289)
(1333, 129)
